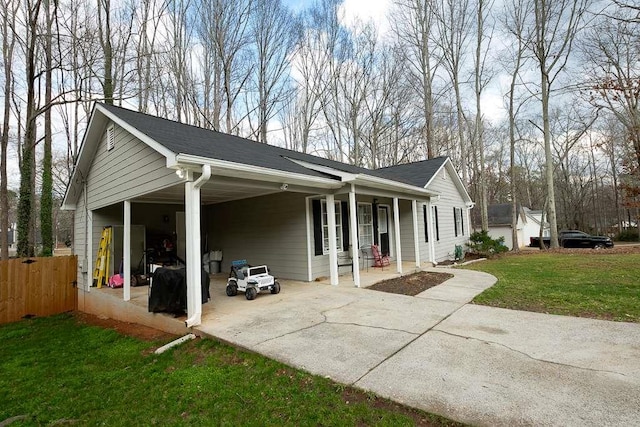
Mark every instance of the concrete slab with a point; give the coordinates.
(389, 311)
(488, 384)
(452, 293)
(341, 352)
(593, 344)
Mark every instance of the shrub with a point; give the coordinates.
(627, 236)
(482, 244)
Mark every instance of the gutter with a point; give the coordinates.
(231, 169)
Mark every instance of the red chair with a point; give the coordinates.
(379, 259)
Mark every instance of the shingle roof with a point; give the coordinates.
(500, 214)
(182, 138)
(417, 173)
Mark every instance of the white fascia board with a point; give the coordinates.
(170, 155)
(387, 184)
(239, 170)
(344, 176)
(96, 124)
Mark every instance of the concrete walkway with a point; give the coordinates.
(480, 365)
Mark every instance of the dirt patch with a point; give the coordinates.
(467, 257)
(141, 332)
(411, 284)
(354, 396)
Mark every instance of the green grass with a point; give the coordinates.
(57, 371)
(593, 284)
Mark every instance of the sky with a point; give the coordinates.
(353, 10)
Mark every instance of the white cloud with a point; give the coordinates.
(376, 11)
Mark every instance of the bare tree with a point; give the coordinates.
(611, 50)
(414, 24)
(9, 10)
(556, 24)
(454, 31)
(273, 31)
(482, 76)
(514, 21)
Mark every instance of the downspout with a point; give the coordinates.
(194, 291)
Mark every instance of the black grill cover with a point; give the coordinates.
(169, 290)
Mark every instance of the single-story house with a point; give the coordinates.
(527, 223)
(300, 214)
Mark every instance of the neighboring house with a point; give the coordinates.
(527, 224)
(12, 235)
(532, 226)
(300, 214)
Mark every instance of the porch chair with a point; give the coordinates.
(379, 259)
(366, 256)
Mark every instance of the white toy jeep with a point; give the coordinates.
(250, 280)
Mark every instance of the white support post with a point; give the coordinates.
(194, 254)
(192, 230)
(333, 251)
(396, 225)
(353, 225)
(416, 241)
(431, 233)
(90, 260)
(126, 250)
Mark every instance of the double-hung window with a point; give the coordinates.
(458, 222)
(365, 225)
(325, 226)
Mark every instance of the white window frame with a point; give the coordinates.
(325, 226)
(362, 224)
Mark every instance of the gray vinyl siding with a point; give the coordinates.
(267, 230)
(450, 197)
(406, 231)
(424, 246)
(79, 241)
(130, 169)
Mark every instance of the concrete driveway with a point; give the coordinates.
(480, 365)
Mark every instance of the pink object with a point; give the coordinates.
(115, 281)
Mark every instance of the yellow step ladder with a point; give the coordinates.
(100, 275)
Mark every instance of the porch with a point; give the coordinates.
(109, 302)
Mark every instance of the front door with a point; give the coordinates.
(383, 229)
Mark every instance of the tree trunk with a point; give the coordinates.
(46, 197)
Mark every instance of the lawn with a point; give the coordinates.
(587, 283)
(58, 371)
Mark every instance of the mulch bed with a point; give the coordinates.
(412, 284)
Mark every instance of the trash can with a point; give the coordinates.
(212, 262)
(214, 267)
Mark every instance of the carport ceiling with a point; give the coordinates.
(217, 190)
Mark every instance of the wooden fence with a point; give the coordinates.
(37, 287)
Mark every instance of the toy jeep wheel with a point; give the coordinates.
(251, 293)
(275, 289)
(232, 290)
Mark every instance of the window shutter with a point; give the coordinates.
(345, 226)
(374, 219)
(435, 211)
(426, 225)
(317, 226)
(462, 221)
(455, 221)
